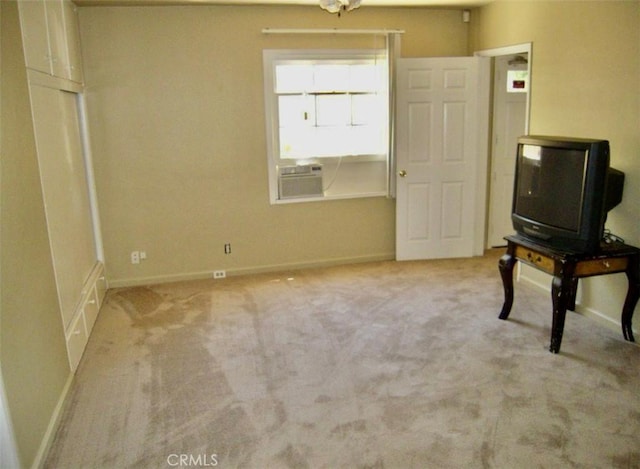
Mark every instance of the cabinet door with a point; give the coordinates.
(76, 341)
(72, 35)
(101, 287)
(66, 194)
(57, 39)
(90, 311)
(35, 37)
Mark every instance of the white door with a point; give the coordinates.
(66, 192)
(509, 123)
(437, 157)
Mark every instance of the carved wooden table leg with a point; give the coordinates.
(505, 264)
(559, 296)
(567, 268)
(633, 292)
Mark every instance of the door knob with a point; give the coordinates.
(402, 173)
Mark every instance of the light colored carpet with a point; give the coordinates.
(382, 365)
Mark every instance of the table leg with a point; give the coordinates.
(561, 296)
(505, 264)
(633, 292)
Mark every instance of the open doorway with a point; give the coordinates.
(510, 119)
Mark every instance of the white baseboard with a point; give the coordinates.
(521, 276)
(598, 316)
(140, 281)
(47, 439)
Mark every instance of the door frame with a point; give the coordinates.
(523, 48)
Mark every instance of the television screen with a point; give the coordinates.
(550, 185)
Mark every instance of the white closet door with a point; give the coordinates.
(66, 194)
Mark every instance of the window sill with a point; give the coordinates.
(328, 198)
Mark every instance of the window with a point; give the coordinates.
(328, 108)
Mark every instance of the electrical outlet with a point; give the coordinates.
(219, 274)
(135, 257)
(143, 255)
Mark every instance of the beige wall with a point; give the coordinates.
(585, 82)
(176, 105)
(178, 136)
(32, 346)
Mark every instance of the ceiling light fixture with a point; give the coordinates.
(338, 6)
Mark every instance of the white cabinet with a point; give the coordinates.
(101, 288)
(63, 177)
(91, 297)
(57, 39)
(90, 311)
(73, 65)
(51, 38)
(65, 183)
(35, 36)
(51, 46)
(85, 315)
(76, 341)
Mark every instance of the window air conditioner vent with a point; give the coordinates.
(300, 181)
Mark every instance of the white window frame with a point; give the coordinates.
(369, 172)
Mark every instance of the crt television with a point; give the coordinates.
(563, 190)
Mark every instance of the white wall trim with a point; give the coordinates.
(601, 318)
(50, 433)
(506, 50)
(381, 32)
(134, 282)
(482, 168)
(521, 275)
(598, 316)
(526, 47)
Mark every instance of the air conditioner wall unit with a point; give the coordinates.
(300, 181)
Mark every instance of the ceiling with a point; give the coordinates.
(365, 3)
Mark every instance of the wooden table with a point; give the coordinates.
(567, 268)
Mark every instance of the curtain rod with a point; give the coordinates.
(332, 31)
